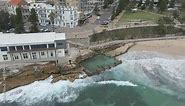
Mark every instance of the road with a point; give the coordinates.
(106, 14)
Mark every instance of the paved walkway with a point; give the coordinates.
(168, 37)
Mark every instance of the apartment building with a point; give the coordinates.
(32, 46)
(64, 16)
(3, 5)
(13, 4)
(88, 5)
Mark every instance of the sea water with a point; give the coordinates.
(143, 79)
(98, 61)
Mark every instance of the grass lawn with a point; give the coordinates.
(140, 15)
(183, 13)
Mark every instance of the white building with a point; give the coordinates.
(32, 46)
(3, 5)
(13, 4)
(64, 16)
(88, 5)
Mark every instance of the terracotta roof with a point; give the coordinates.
(17, 2)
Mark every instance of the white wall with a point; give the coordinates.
(16, 55)
(43, 56)
(1, 56)
(60, 52)
(37, 54)
(50, 52)
(28, 54)
(47, 55)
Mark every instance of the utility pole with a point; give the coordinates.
(4, 84)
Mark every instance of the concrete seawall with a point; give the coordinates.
(106, 44)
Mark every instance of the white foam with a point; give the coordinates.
(149, 68)
(118, 83)
(66, 91)
(62, 91)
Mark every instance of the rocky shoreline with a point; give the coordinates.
(74, 70)
(69, 71)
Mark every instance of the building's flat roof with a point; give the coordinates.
(29, 38)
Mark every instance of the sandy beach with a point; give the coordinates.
(170, 47)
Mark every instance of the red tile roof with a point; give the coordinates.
(17, 2)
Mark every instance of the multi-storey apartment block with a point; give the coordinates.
(64, 16)
(88, 5)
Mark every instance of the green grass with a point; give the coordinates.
(182, 16)
(183, 13)
(134, 33)
(140, 15)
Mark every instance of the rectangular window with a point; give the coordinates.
(3, 48)
(12, 48)
(34, 55)
(51, 54)
(25, 55)
(41, 46)
(42, 53)
(26, 47)
(59, 44)
(5, 57)
(16, 57)
(19, 47)
(51, 45)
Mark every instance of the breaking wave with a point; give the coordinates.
(61, 91)
(148, 68)
(118, 83)
(155, 70)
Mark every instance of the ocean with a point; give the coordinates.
(143, 79)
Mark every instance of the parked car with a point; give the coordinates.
(46, 30)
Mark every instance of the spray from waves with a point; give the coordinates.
(118, 83)
(155, 70)
(61, 91)
(138, 66)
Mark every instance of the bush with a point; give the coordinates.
(166, 20)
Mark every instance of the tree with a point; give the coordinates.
(19, 25)
(166, 21)
(162, 5)
(143, 7)
(121, 6)
(52, 17)
(96, 10)
(113, 13)
(33, 19)
(140, 3)
(176, 14)
(160, 29)
(147, 3)
(12, 21)
(107, 2)
(151, 5)
(183, 4)
(129, 8)
(4, 21)
(172, 4)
